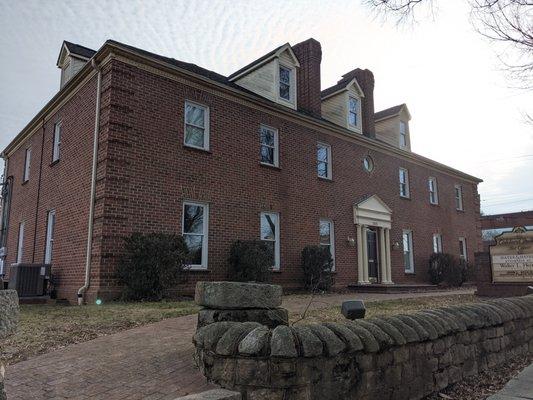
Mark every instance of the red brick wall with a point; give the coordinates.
(63, 186)
(145, 173)
(155, 173)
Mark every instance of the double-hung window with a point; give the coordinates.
(323, 159)
(269, 146)
(195, 232)
(285, 83)
(403, 135)
(27, 164)
(433, 191)
(408, 259)
(20, 243)
(270, 235)
(56, 144)
(353, 111)
(404, 182)
(462, 249)
(437, 243)
(327, 237)
(49, 244)
(458, 197)
(196, 126)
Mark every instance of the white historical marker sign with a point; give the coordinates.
(512, 257)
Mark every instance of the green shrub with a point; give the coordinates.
(151, 263)
(250, 261)
(317, 266)
(447, 268)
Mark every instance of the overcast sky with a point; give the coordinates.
(464, 113)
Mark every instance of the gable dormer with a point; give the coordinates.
(72, 58)
(392, 126)
(341, 104)
(273, 76)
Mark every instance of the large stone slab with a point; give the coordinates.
(235, 295)
(9, 312)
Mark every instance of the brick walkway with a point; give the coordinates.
(150, 362)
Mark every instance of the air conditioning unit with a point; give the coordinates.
(29, 280)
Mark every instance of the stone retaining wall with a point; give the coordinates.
(401, 357)
(9, 312)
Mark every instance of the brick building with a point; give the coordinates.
(495, 224)
(134, 141)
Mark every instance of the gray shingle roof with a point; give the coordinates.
(389, 112)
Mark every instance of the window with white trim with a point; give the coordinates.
(353, 111)
(56, 143)
(196, 126)
(49, 243)
(286, 83)
(437, 243)
(270, 235)
(269, 146)
(195, 223)
(433, 191)
(327, 237)
(458, 197)
(27, 164)
(463, 255)
(323, 160)
(408, 258)
(20, 243)
(404, 182)
(403, 135)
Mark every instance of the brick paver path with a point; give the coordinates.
(150, 362)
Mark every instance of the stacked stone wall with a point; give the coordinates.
(400, 357)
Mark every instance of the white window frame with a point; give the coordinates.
(331, 243)
(433, 191)
(329, 169)
(358, 114)
(56, 142)
(276, 145)
(437, 243)
(458, 194)
(292, 82)
(205, 233)
(409, 269)
(403, 135)
(50, 230)
(407, 193)
(27, 165)
(20, 243)
(463, 252)
(205, 127)
(277, 258)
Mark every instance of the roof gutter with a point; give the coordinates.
(88, 258)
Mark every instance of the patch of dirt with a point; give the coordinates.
(481, 386)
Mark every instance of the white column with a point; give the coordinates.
(365, 254)
(360, 278)
(387, 252)
(382, 256)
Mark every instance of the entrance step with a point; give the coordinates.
(396, 288)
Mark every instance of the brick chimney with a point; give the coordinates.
(365, 78)
(309, 54)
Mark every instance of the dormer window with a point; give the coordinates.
(272, 76)
(353, 111)
(403, 135)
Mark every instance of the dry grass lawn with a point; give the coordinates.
(385, 308)
(43, 328)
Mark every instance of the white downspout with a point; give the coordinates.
(88, 258)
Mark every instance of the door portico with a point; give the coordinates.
(372, 213)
